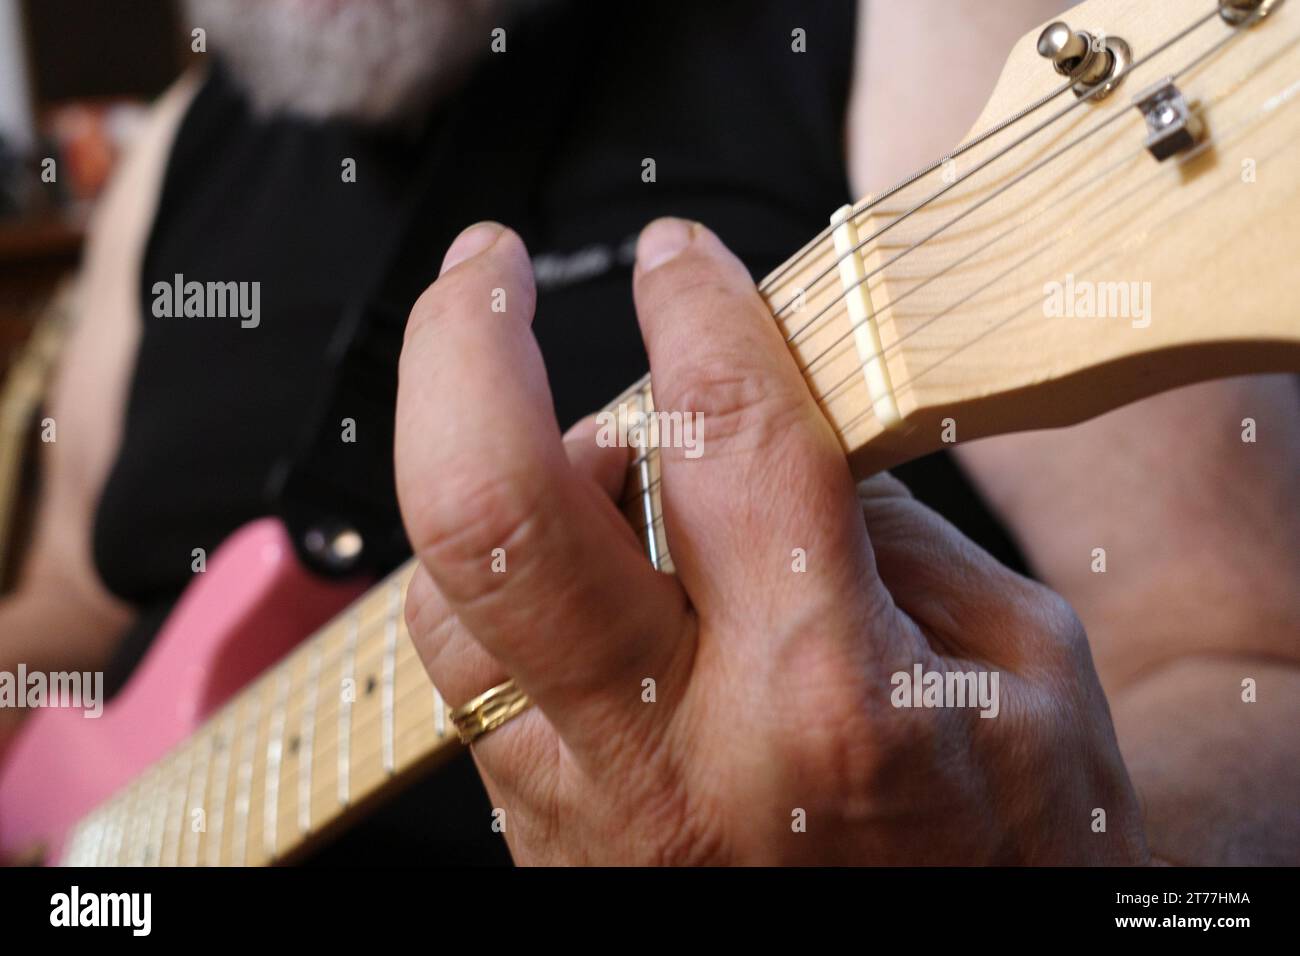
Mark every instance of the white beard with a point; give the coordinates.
(373, 61)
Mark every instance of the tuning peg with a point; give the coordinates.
(1237, 12)
(1065, 48)
(1089, 61)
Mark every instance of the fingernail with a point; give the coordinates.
(661, 241)
(470, 243)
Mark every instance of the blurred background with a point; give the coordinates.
(74, 81)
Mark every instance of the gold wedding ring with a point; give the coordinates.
(489, 711)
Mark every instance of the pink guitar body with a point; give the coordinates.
(251, 606)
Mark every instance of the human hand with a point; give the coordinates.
(773, 735)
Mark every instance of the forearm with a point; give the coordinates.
(1216, 761)
(1170, 535)
(1178, 544)
(46, 629)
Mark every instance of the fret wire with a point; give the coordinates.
(370, 755)
(407, 655)
(889, 306)
(307, 738)
(226, 739)
(113, 847)
(370, 651)
(362, 751)
(345, 711)
(274, 758)
(131, 817)
(106, 825)
(439, 713)
(90, 852)
(244, 778)
(196, 799)
(158, 800)
(389, 674)
(81, 851)
(177, 787)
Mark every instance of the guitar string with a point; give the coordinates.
(857, 211)
(1122, 113)
(855, 373)
(1196, 61)
(1087, 97)
(797, 259)
(1105, 258)
(1219, 140)
(372, 631)
(657, 524)
(828, 395)
(1238, 30)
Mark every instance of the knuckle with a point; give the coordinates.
(1059, 632)
(737, 402)
(474, 513)
(851, 733)
(421, 610)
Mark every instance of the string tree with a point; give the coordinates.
(1172, 125)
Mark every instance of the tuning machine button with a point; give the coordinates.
(1237, 12)
(1091, 61)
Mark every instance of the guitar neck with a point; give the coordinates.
(25, 385)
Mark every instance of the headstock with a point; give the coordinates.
(1092, 251)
